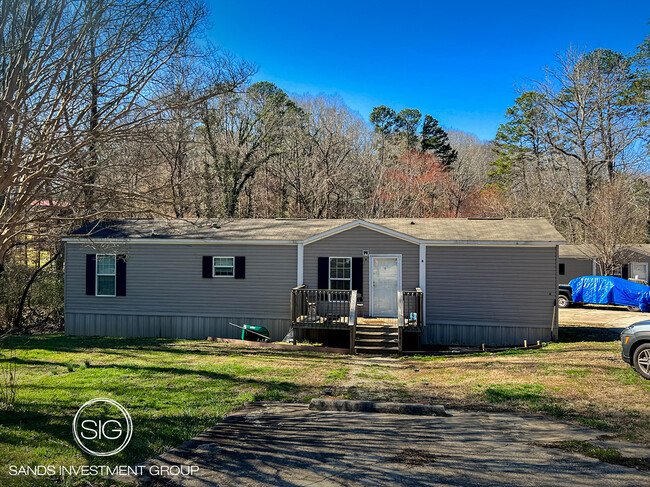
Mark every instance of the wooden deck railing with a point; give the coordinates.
(352, 321)
(324, 309)
(411, 304)
(409, 312)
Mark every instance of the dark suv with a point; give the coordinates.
(636, 347)
(564, 296)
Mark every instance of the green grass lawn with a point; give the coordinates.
(175, 389)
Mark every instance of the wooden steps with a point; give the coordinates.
(377, 338)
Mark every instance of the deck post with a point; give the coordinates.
(352, 321)
(293, 315)
(400, 321)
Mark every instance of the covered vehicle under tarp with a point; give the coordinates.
(610, 290)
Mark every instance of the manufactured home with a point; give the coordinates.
(581, 260)
(379, 283)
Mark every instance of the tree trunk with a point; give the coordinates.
(21, 304)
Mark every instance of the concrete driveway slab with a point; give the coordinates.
(289, 445)
(609, 316)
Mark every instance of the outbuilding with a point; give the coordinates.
(581, 260)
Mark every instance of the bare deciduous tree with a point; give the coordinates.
(76, 76)
(612, 223)
(242, 133)
(590, 119)
(327, 165)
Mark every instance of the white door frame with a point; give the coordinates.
(371, 257)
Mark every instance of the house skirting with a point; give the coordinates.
(200, 327)
(478, 334)
(168, 326)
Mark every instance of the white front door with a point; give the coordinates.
(639, 271)
(385, 280)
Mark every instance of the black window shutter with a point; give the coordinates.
(357, 274)
(625, 271)
(120, 275)
(90, 274)
(561, 269)
(207, 267)
(240, 267)
(323, 272)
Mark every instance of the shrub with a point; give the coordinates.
(44, 301)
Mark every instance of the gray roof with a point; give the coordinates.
(641, 248)
(589, 251)
(578, 251)
(523, 230)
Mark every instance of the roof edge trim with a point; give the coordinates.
(143, 240)
(365, 224)
(433, 243)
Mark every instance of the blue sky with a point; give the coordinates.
(460, 61)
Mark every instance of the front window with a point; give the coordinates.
(617, 271)
(105, 285)
(223, 266)
(341, 273)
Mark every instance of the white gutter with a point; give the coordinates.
(185, 241)
(487, 242)
(145, 240)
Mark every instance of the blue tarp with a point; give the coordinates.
(610, 290)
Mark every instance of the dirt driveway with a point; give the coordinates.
(605, 316)
(290, 445)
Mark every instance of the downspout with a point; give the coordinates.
(555, 331)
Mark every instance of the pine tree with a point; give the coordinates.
(407, 123)
(384, 120)
(436, 140)
(519, 143)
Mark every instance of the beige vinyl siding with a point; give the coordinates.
(632, 256)
(166, 279)
(168, 326)
(575, 268)
(352, 243)
(640, 258)
(491, 286)
(490, 336)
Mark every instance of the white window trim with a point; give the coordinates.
(223, 257)
(97, 256)
(329, 273)
(644, 264)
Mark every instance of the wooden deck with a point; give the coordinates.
(377, 321)
(336, 322)
(332, 322)
(329, 309)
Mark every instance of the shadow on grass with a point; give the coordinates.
(72, 344)
(167, 403)
(130, 346)
(161, 420)
(573, 334)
